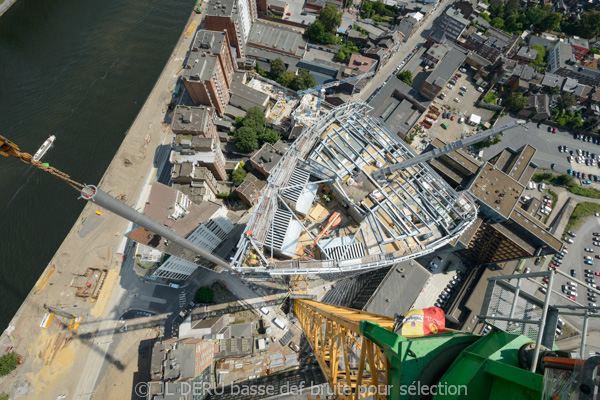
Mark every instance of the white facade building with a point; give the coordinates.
(208, 236)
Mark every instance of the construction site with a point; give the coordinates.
(324, 212)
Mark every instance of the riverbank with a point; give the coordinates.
(57, 361)
(5, 5)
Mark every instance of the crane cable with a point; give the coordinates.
(8, 148)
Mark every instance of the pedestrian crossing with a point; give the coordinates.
(182, 299)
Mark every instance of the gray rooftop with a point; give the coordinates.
(527, 52)
(220, 8)
(539, 40)
(579, 42)
(241, 330)
(524, 72)
(267, 157)
(244, 97)
(192, 119)
(446, 67)
(399, 289)
(200, 66)
(209, 40)
(277, 38)
(552, 80)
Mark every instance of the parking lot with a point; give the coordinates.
(547, 145)
(464, 108)
(449, 269)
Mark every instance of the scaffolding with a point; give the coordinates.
(411, 214)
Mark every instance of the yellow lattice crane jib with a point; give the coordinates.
(10, 149)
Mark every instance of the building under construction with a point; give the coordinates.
(322, 211)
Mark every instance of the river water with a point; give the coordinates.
(79, 70)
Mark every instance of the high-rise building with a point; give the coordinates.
(206, 81)
(194, 121)
(201, 151)
(234, 17)
(217, 44)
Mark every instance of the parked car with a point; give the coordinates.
(456, 100)
(588, 262)
(538, 261)
(589, 250)
(571, 233)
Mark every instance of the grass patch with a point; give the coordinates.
(568, 182)
(585, 192)
(580, 213)
(490, 98)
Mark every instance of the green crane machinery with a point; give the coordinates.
(362, 356)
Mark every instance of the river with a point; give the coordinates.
(80, 70)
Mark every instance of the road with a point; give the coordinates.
(418, 37)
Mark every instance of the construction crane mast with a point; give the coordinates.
(430, 155)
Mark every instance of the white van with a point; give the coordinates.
(264, 310)
(279, 323)
(174, 285)
(569, 283)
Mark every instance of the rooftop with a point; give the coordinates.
(495, 189)
(527, 52)
(188, 119)
(446, 67)
(220, 8)
(399, 289)
(277, 38)
(200, 66)
(209, 40)
(245, 97)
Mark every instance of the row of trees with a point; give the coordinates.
(251, 129)
(280, 74)
(511, 18)
(371, 9)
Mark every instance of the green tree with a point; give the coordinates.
(3, 396)
(8, 362)
(245, 139)
(204, 295)
(330, 17)
(269, 136)
(316, 32)
(516, 103)
(286, 78)
(589, 24)
(277, 68)
(238, 174)
(551, 22)
(564, 180)
(260, 70)
(497, 23)
(304, 80)
(255, 119)
(486, 16)
(406, 77)
(554, 90)
(566, 101)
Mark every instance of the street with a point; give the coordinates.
(418, 37)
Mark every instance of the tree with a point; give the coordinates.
(304, 80)
(566, 101)
(554, 90)
(277, 68)
(589, 24)
(255, 119)
(516, 103)
(245, 139)
(316, 32)
(269, 136)
(238, 174)
(330, 17)
(535, 15)
(8, 362)
(286, 78)
(564, 180)
(260, 70)
(551, 22)
(485, 16)
(406, 77)
(204, 295)
(497, 23)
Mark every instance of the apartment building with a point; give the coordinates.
(200, 151)
(234, 17)
(194, 121)
(205, 80)
(217, 44)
